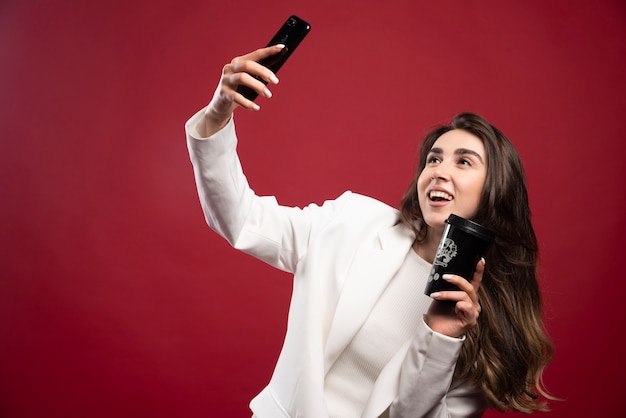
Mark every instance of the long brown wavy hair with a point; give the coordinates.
(506, 352)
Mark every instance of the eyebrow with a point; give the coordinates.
(459, 151)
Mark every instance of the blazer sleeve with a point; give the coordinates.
(426, 386)
(257, 225)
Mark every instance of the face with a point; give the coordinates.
(453, 178)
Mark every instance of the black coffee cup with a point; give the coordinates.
(462, 245)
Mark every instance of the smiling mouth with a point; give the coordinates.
(439, 196)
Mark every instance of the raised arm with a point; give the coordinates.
(257, 225)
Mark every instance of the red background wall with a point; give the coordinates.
(117, 300)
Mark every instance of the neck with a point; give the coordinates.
(427, 249)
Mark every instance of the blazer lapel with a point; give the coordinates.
(370, 272)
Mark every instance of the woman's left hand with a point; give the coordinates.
(455, 321)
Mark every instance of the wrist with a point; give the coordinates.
(443, 328)
(213, 122)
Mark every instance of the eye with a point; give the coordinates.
(465, 161)
(432, 159)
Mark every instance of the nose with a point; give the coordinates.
(440, 173)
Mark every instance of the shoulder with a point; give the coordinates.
(360, 203)
(355, 208)
(357, 220)
(350, 198)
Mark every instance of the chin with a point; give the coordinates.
(436, 222)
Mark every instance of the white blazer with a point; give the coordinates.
(342, 255)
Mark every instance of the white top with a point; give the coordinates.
(392, 322)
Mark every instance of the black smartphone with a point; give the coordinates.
(290, 34)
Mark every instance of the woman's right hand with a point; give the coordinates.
(239, 72)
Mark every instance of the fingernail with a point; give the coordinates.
(435, 295)
(273, 78)
(483, 260)
(255, 106)
(446, 276)
(267, 93)
(280, 46)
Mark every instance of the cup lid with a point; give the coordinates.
(471, 227)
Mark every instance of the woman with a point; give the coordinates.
(362, 338)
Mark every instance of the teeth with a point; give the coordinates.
(441, 195)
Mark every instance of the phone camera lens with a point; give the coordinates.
(291, 22)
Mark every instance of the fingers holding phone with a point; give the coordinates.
(246, 77)
(249, 73)
(243, 71)
(289, 35)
